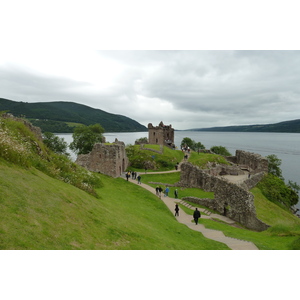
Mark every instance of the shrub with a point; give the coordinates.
(220, 150)
(55, 143)
(277, 191)
(296, 244)
(85, 137)
(19, 145)
(188, 142)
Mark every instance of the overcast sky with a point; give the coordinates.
(185, 88)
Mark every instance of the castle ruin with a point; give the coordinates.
(230, 199)
(108, 159)
(161, 135)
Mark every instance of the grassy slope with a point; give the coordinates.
(285, 228)
(138, 157)
(202, 159)
(39, 212)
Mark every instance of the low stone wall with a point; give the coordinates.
(231, 200)
(251, 182)
(224, 170)
(254, 162)
(202, 201)
(161, 151)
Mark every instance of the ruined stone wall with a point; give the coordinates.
(251, 182)
(106, 159)
(224, 170)
(230, 200)
(256, 162)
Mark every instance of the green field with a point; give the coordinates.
(39, 212)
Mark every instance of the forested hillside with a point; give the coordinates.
(287, 126)
(61, 117)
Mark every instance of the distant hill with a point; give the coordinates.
(61, 117)
(287, 126)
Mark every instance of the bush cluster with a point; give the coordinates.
(275, 190)
(19, 145)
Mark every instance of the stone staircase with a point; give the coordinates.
(203, 210)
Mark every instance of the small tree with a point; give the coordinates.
(142, 140)
(295, 187)
(85, 137)
(220, 150)
(274, 165)
(55, 143)
(188, 142)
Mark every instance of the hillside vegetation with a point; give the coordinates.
(292, 126)
(61, 117)
(140, 158)
(47, 202)
(284, 233)
(39, 210)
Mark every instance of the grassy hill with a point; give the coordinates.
(47, 202)
(59, 116)
(39, 212)
(284, 233)
(287, 126)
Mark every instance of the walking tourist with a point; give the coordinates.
(176, 194)
(139, 179)
(167, 191)
(196, 215)
(159, 191)
(176, 210)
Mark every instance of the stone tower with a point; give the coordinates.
(161, 134)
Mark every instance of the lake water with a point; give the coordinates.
(285, 146)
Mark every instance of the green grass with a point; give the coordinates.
(40, 212)
(172, 178)
(162, 162)
(39, 209)
(271, 213)
(283, 235)
(202, 159)
(266, 240)
(154, 147)
(72, 124)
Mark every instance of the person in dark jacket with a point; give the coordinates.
(176, 194)
(176, 210)
(196, 215)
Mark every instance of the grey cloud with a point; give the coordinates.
(199, 88)
(21, 85)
